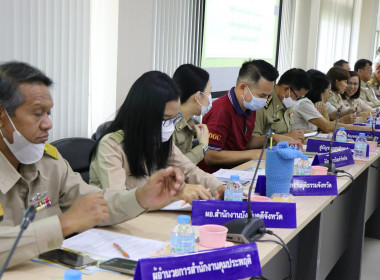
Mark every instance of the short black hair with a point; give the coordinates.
(140, 117)
(361, 64)
(340, 63)
(319, 83)
(190, 79)
(357, 93)
(337, 74)
(12, 75)
(253, 70)
(296, 78)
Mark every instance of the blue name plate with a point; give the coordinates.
(353, 134)
(321, 146)
(377, 126)
(340, 158)
(234, 262)
(274, 214)
(305, 185)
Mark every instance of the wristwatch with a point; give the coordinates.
(205, 149)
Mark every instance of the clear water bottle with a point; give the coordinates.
(369, 121)
(182, 238)
(234, 190)
(341, 135)
(303, 166)
(360, 149)
(378, 121)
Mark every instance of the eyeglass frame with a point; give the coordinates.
(297, 97)
(176, 120)
(352, 84)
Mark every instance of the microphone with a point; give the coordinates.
(248, 230)
(27, 218)
(330, 165)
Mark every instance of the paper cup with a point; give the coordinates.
(319, 170)
(212, 236)
(372, 146)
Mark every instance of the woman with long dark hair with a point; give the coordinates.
(139, 141)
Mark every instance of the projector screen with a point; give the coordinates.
(235, 31)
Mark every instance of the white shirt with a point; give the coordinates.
(304, 112)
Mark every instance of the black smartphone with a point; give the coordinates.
(68, 258)
(120, 265)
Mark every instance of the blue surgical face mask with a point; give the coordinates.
(205, 109)
(256, 103)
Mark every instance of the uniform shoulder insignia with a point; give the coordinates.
(118, 136)
(269, 101)
(52, 151)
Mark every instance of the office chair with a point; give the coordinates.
(100, 130)
(76, 151)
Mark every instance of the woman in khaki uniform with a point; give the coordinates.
(195, 86)
(139, 142)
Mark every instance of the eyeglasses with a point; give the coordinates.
(352, 84)
(297, 97)
(174, 120)
(367, 69)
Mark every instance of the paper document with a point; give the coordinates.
(100, 243)
(245, 176)
(179, 205)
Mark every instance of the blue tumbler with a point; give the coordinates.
(279, 165)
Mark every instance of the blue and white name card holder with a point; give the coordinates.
(305, 185)
(353, 134)
(340, 158)
(321, 146)
(274, 214)
(235, 262)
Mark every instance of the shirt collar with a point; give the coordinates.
(183, 123)
(277, 103)
(10, 176)
(235, 103)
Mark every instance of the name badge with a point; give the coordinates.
(340, 158)
(321, 146)
(305, 185)
(235, 262)
(274, 214)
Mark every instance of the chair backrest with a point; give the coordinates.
(100, 130)
(76, 151)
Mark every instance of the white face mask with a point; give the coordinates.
(206, 109)
(256, 103)
(24, 151)
(288, 101)
(167, 131)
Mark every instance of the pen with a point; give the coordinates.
(125, 254)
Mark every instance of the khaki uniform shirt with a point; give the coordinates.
(110, 169)
(374, 84)
(183, 137)
(367, 94)
(273, 114)
(51, 178)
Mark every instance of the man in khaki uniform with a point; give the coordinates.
(34, 173)
(374, 82)
(277, 112)
(367, 94)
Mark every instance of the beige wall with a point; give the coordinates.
(134, 45)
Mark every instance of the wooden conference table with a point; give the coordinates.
(326, 244)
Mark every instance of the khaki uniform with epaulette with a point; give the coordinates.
(52, 187)
(273, 114)
(368, 95)
(373, 82)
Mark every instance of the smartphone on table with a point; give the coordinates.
(120, 265)
(310, 134)
(67, 258)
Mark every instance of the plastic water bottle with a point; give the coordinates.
(303, 166)
(341, 135)
(369, 121)
(234, 190)
(360, 149)
(378, 121)
(182, 238)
